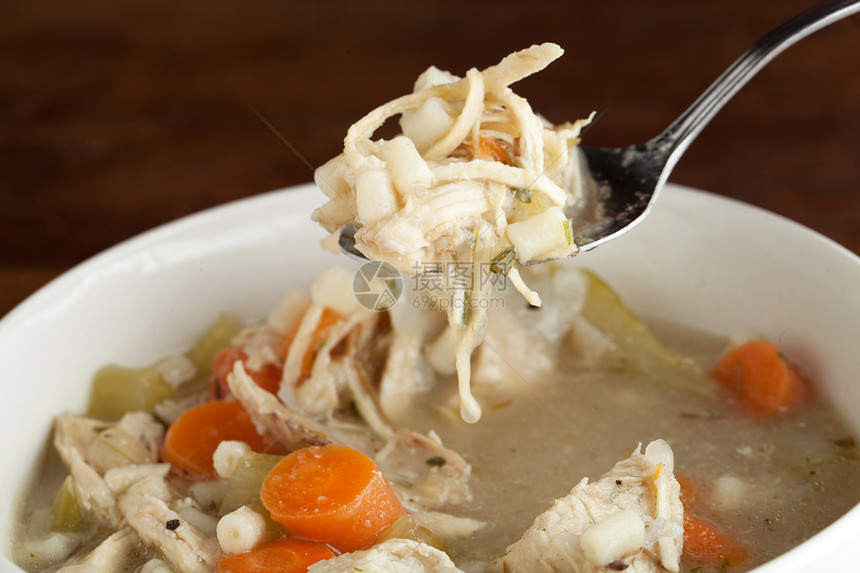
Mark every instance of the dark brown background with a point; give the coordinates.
(118, 116)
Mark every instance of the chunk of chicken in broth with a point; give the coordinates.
(630, 519)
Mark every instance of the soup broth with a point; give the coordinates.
(772, 483)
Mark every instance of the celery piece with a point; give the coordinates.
(219, 336)
(636, 348)
(243, 486)
(117, 390)
(65, 512)
(406, 528)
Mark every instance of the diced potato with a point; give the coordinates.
(375, 197)
(613, 537)
(117, 390)
(540, 236)
(65, 511)
(329, 179)
(406, 166)
(428, 123)
(730, 492)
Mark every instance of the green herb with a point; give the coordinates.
(502, 263)
(523, 194)
(395, 287)
(568, 231)
(467, 310)
(435, 461)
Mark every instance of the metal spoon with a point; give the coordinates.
(624, 182)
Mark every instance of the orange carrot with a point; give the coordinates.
(333, 494)
(689, 491)
(328, 318)
(267, 378)
(762, 379)
(494, 149)
(706, 545)
(192, 439)
(280, 556)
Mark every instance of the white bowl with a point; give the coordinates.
(700, 260)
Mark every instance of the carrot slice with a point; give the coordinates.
(706, 545)
(689, 491)
(762, 379)
(268, 378)
(333, 494)
(280, 556)
(192, 439)
(494, 149)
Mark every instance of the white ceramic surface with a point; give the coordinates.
(698, 259)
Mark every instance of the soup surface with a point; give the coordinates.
(557, 407)
(772, 483)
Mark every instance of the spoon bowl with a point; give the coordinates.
(622, 184)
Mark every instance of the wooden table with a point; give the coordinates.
(116, 117)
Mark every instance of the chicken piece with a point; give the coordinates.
(261, 344)
(630, 519)
(75, 434)
(423, 473)
(112, 554)
(391, 556)
(509, 355)
(89, 448)
(290, 428)
(136, 438)
(121, 478)
(161, 528)
(446, 526)
(145, 429)
(72, 436)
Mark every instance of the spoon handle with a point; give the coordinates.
(675, 139)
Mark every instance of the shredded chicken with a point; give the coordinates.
(630, 519)
(117, 485)
(292, 429)
(112, 554)
(423, 473)
(392, 556)
(187, 549)
(476, 179)
(91, 448)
